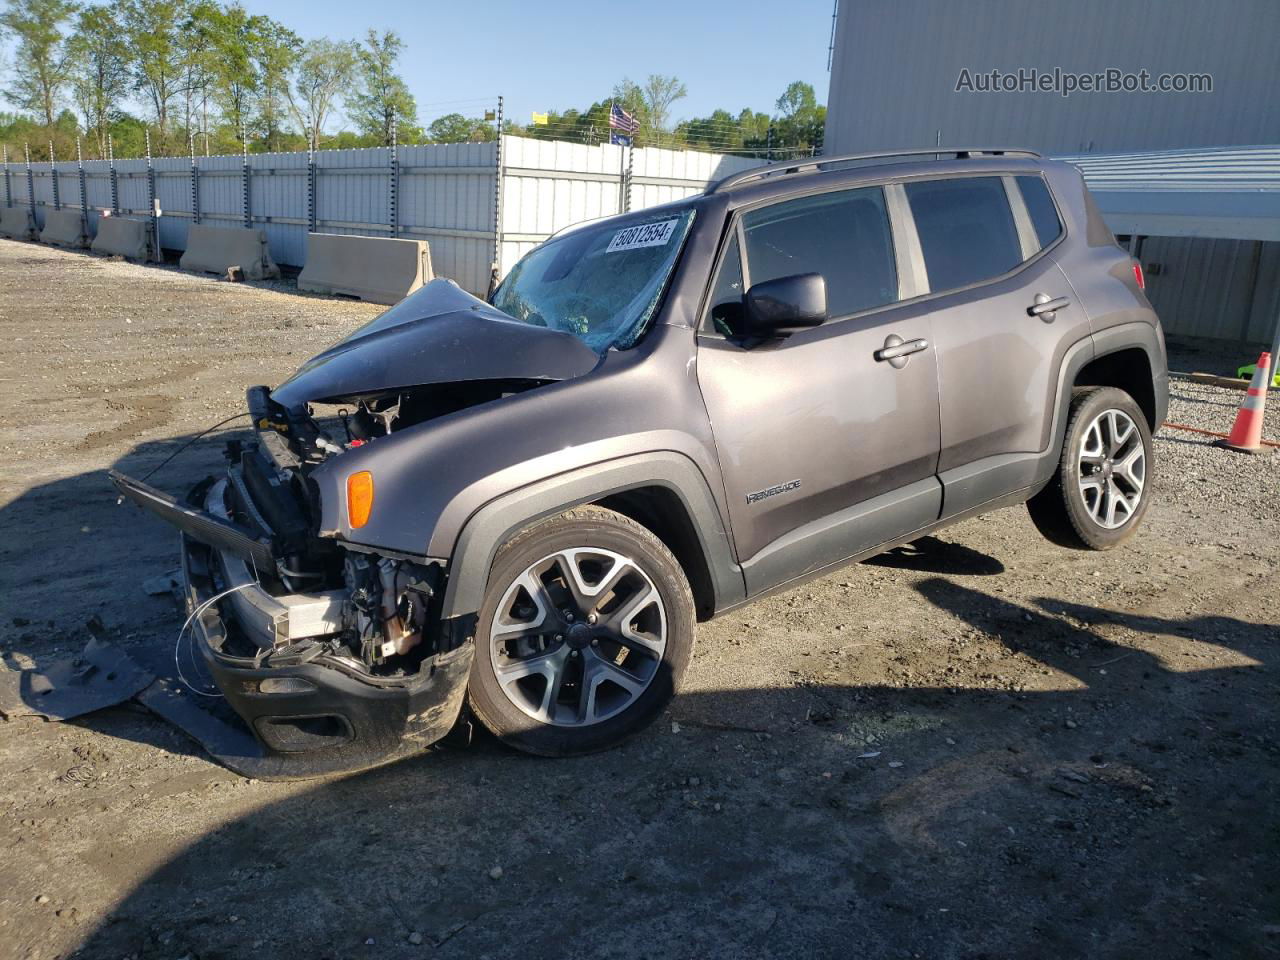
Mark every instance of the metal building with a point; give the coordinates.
(916, 73)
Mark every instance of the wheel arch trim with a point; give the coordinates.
(496, 522)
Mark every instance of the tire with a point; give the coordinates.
(1076, 509)
(573, 671)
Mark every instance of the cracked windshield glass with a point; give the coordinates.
(599, 283)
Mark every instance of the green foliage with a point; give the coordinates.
(202, 74)
(383, 99)
(455, 128)
(153, 29)
(797, 130)
(40, 65)
(100, 74)
(324, 68)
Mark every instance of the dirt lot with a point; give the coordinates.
(982, 747)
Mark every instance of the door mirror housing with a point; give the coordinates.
(777, 307)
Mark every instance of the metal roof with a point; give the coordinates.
(1225, 192)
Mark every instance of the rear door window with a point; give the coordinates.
(966, 230)
(1039, 203)
(844, 236)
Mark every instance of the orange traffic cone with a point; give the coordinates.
(1246, 433)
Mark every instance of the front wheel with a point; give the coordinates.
(1102, 488)
(584, 635)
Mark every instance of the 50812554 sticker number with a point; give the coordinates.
(642, 235)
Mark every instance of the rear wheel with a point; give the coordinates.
(1102, 488)
(585, 632)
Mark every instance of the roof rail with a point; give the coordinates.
(813, 164)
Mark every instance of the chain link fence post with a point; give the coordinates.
(631, 165)
(311, 188)
(244, 177)
(151, 201)
(195, 179)
(393, 208)
(31, 183)
(111, 172)
(496, 269)
(53, 177)
(8, 186)
(84, 195)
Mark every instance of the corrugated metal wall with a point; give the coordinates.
(1224, 289)
(549, 185)
(893, 79)
(445, 194)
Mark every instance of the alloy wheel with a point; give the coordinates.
(1112, 468)
(578, 636)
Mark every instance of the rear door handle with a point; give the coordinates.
(896, 350)
(1046, 306)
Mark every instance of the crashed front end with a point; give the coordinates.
(318, 620)
(333, 654)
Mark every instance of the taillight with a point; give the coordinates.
(359, 498)
(1137, 275)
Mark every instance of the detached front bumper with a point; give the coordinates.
(319, 715)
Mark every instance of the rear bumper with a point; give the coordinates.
(322, 715)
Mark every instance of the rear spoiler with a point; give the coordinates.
(197, 524)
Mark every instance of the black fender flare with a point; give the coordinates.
(1125, 336)
(499, 520)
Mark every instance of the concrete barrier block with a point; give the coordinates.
(64, 228)
(16, 222)
(377, 269)
(123, 238)
(217, 249)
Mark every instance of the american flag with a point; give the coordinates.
(619, 119)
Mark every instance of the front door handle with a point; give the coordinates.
(1045, 306)
(896, 350)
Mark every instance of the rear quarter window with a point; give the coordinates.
(1039, 203)
(966, 230)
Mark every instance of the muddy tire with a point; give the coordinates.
(1103, 484)
(584, 635)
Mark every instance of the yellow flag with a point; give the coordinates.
(540, 119)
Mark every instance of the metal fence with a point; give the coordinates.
(475, 203)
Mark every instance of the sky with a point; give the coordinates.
(557, 54)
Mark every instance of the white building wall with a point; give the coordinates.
(896, 64)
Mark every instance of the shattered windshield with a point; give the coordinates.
(599, 283)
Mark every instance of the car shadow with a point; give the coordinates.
(1101, 814)
(931, 555)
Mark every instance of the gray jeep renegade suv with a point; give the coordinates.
(525, 505)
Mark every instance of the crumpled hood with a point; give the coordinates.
(440, 334)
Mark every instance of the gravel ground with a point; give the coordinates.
(980, 746)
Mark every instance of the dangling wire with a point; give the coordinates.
(177, 646)
(198, 436)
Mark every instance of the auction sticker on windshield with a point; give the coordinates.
(644, 235)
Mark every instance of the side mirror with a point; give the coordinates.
(778, 307)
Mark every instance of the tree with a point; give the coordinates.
(383, 98)
(659, 93)
(41, 68)
(233, 33)
(201, 31)
(455, 128)
(323, 69)
(153, 30)
(720, 131)
(100, 81)
(274, 50)
(796, 99)
(801, 124)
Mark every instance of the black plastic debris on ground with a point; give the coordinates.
(102, 675)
